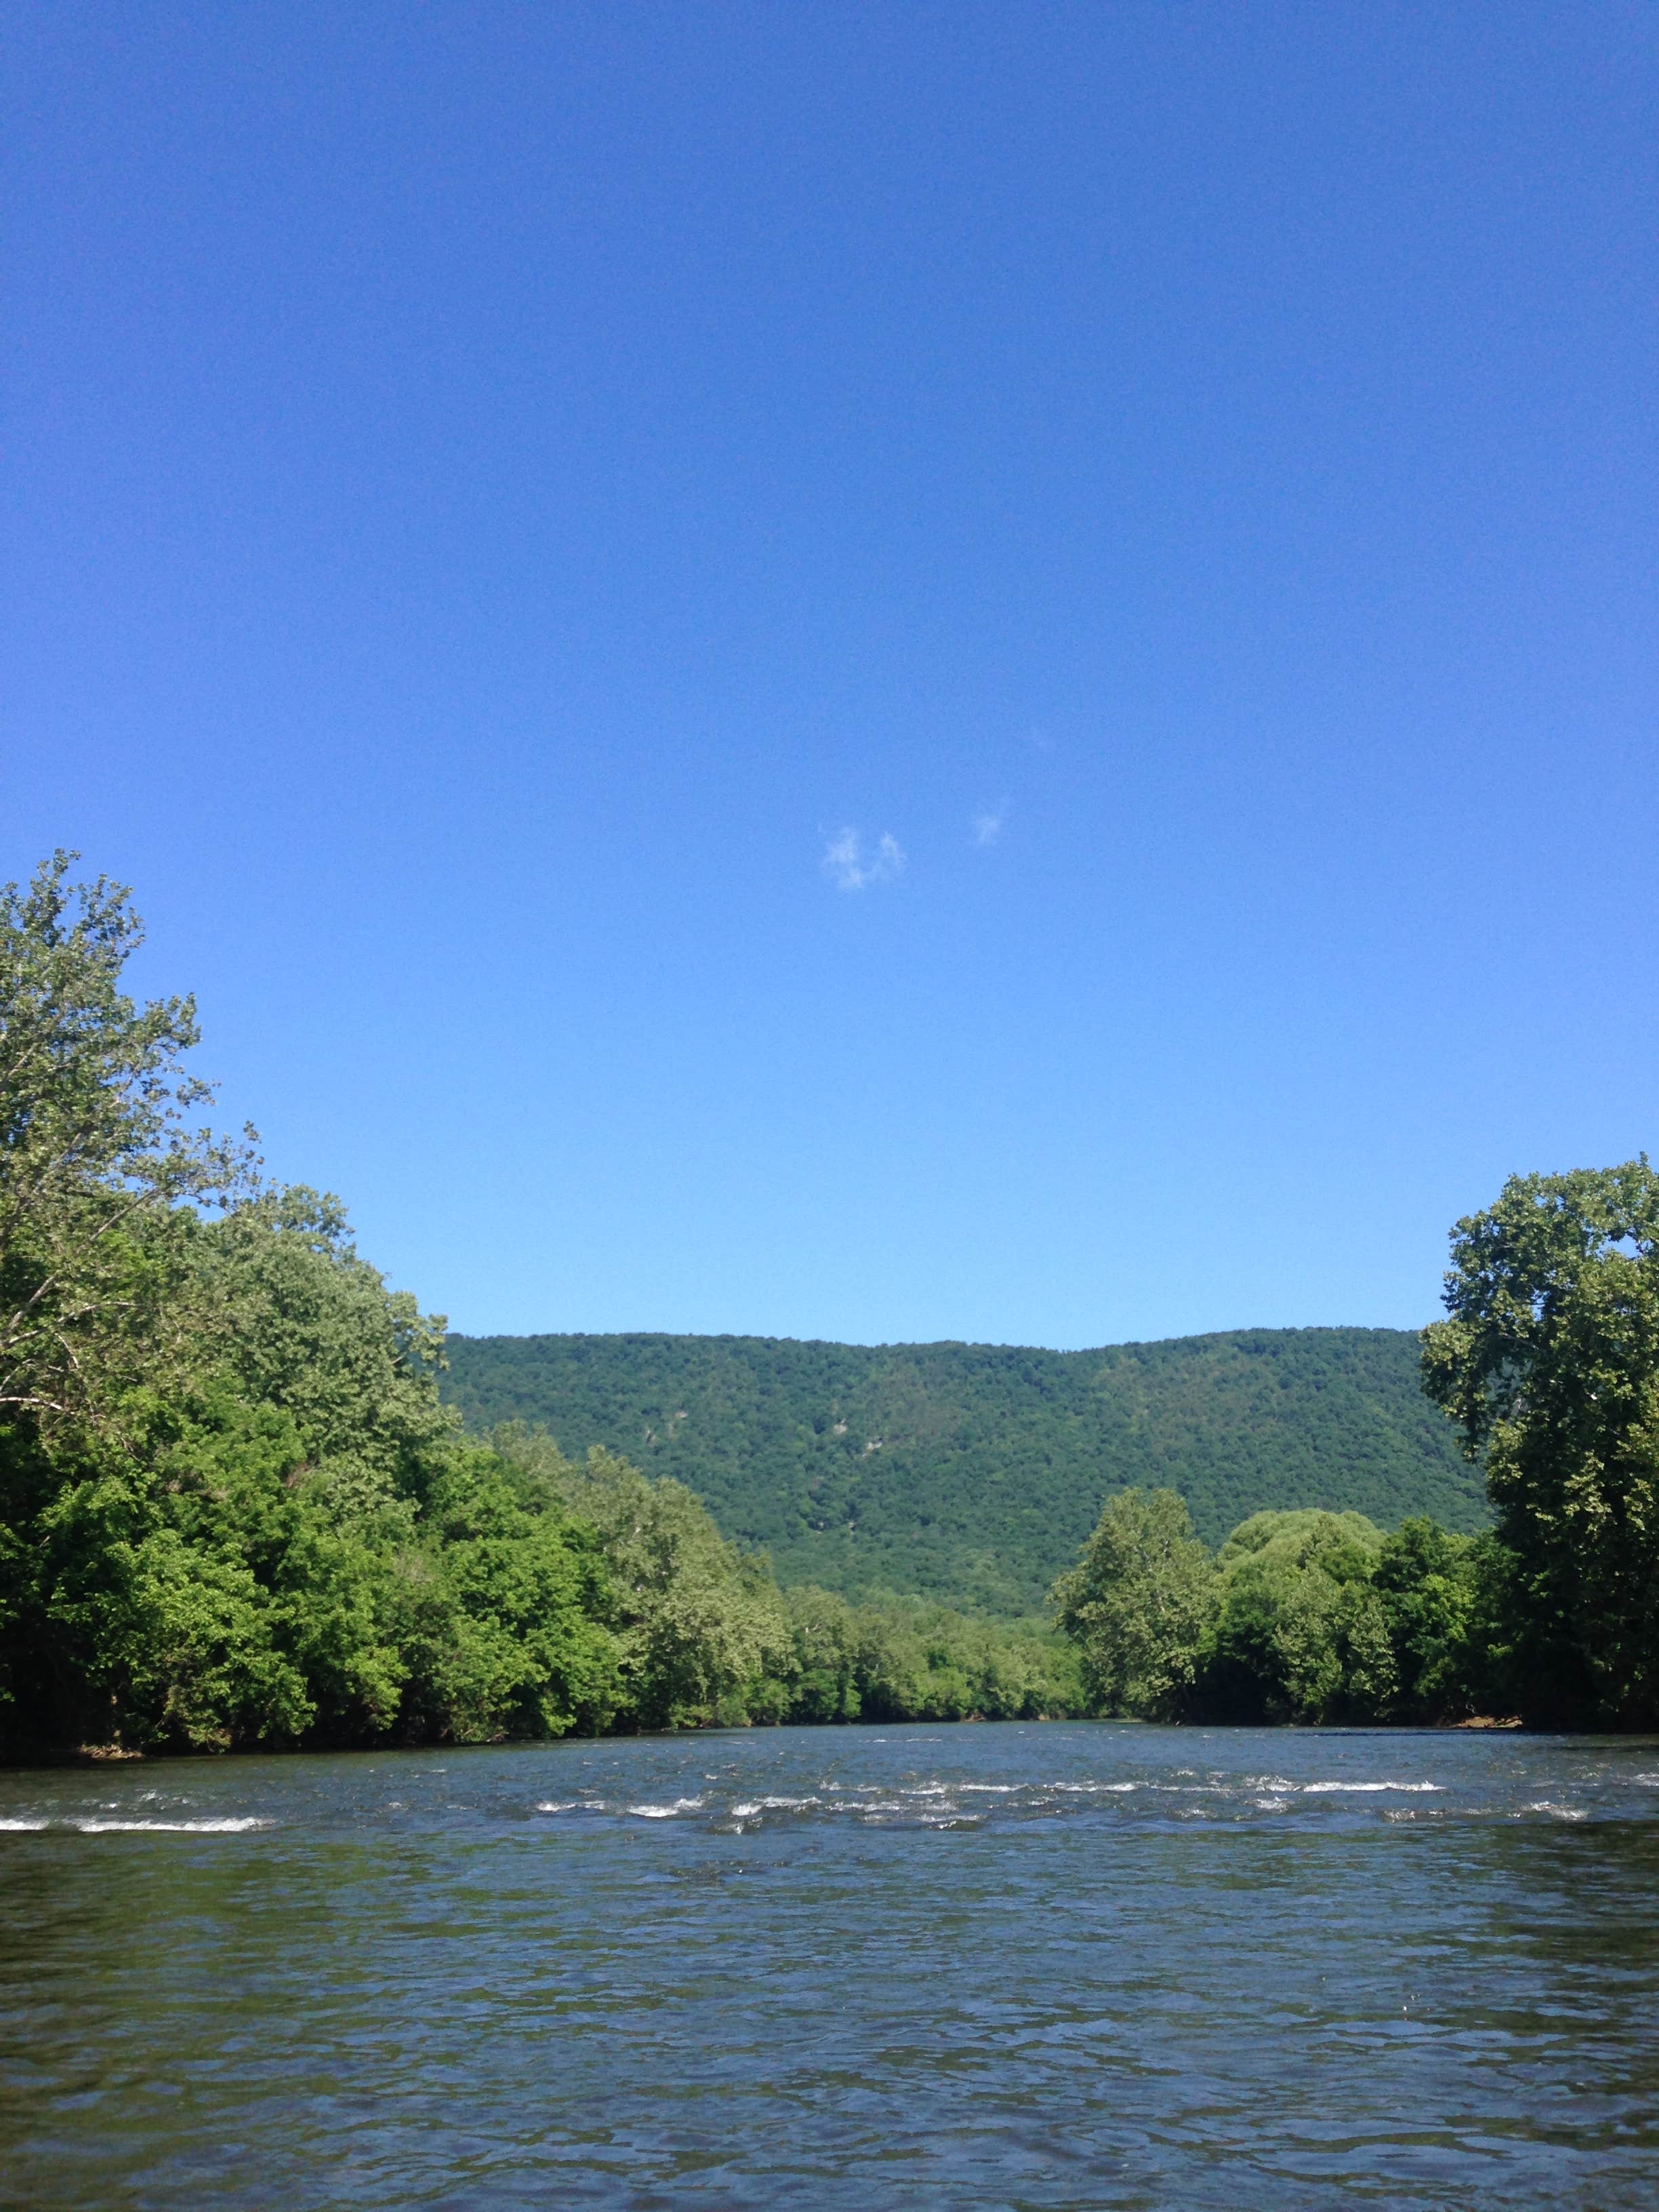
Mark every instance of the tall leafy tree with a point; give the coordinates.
(1299, 1632)
(1431, 1584)
(1136, 1603)
(699, 1623)
(1548, 1360)
(314, 1329)
(232, 1507)
(103, 1160)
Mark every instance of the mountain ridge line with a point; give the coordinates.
(972, 1472)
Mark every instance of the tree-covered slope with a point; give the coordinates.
(975, 1471)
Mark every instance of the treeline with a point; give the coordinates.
(975, 1471)
(235, 1511)
(1305, 1617)
(707, 1634)
(232, 1508)
(1548, 1362)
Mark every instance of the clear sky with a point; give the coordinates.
(882, 671)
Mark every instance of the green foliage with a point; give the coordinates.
(1549, 1361)
(1304, 1616)
(1299, 1632)
(1433, 1587)
(1137, 1604)
(234, 1509)
(203, 1593)
(972, 1473)
(103, 1163)
(153, 1598)
(698, 1624)
(913, 1661)
(315, 1331)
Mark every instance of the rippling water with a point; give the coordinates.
(1050, 1965)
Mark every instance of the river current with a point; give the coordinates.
(1026, 1966)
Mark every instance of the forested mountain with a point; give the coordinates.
(234, 1510)
(974, 1472)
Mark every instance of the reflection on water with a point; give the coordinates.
(1047, 1966)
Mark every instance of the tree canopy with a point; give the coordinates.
(106, 1162)
(1303, 1616)
(235, 1507)
(1137, 1604)
(974, 1472)
(1548, 1361)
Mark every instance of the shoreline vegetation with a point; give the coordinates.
(235, 1513)
(973, 1472)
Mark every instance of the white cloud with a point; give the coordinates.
(987, 828)
(845, 864)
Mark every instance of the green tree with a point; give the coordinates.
(1137, 1602)
(102, 1160)
(200, 1589)
(314, 1329)
(1428, 1583)
(699, 1625)
(1299, 1633)
(188, 1590)
(1548, 1360)
(825, 1680)
(497, 1614)
(233, 1508)
(913, 1659)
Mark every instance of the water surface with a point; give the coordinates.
(1046, 1966)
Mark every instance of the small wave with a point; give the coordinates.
(225, 1827)
(10, 1826)
(665, 1812)
(1318, 1788)
(1557, 1812)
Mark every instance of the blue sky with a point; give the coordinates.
(880, 671)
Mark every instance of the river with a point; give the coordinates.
(1027, 1965)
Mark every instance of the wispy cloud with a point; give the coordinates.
(848, 868)
(987, 828)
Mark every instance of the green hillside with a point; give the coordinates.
(974, 1471)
